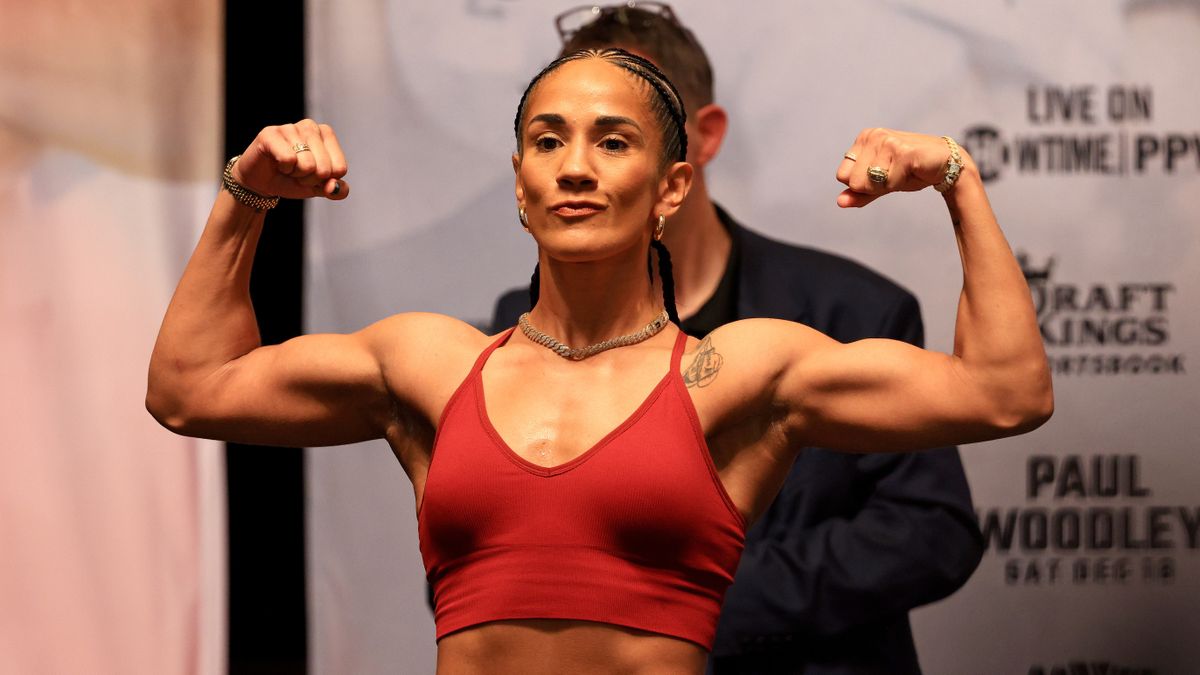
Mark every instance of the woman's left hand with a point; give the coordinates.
(911, 162)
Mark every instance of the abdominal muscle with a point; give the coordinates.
(553, 646)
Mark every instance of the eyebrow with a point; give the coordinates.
(549, 118)
(616, 121)
(554, 119)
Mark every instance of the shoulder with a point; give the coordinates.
(423, 358)
(735, 373)
(425, 327)
(753, 337)
(755, 350)
(423, 342)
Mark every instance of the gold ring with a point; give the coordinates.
(851, 156)
(301, 147)
(877, 174)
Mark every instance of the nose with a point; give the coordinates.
(576, 171)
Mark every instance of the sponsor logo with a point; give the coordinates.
(1089, 520)
(1097, 328)
(1084, 130)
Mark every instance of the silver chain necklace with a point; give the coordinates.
(581, 353)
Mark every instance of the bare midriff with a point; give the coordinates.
(552, 646)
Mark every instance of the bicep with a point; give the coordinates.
(880, 395)
(309, 391)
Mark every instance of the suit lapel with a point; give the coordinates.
(766, 289)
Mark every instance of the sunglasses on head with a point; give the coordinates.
(572, 21)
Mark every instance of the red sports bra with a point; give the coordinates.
(638, 531)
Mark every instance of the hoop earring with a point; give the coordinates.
(523, 218)
(660, 228)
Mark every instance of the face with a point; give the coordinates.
(589, 174)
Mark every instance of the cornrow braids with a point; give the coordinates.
(668, 104)
(667, 276)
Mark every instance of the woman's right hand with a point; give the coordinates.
(271, 166)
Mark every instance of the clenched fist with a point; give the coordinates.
(911, 161)
(294, 161)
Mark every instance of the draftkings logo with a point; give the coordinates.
(1103, 328)
(1084, 129)
(1089, 520)
(1096, 667)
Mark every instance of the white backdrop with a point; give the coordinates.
(1083, 112)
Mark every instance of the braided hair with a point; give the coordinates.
(668, 110)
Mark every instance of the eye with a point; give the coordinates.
(547, 143)
(613, 144)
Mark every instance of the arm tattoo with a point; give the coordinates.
(704, 367)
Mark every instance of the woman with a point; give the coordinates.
(587, 512)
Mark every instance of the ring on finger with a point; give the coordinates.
(877, 174)
(301, 147)
(851, 156)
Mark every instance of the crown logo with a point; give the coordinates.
(1035, 275)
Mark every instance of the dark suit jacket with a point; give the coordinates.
(853, 541)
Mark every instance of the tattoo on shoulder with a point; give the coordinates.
(705, 365)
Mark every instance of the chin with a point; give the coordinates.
(584, 245)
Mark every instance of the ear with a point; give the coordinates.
(673, 188)
(520, 187)
(708, 127)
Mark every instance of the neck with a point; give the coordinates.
(581, 304)
(699, 246)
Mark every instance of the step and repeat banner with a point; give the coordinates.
(1082, 117)
(111, 528)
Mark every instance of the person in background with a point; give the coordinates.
(853, 542)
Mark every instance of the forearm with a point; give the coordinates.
(210, 320)
(996, 336)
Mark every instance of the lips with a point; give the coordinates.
(576, 208)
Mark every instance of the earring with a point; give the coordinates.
(524, 218)
(660, 228)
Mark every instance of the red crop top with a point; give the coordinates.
(638, 531)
